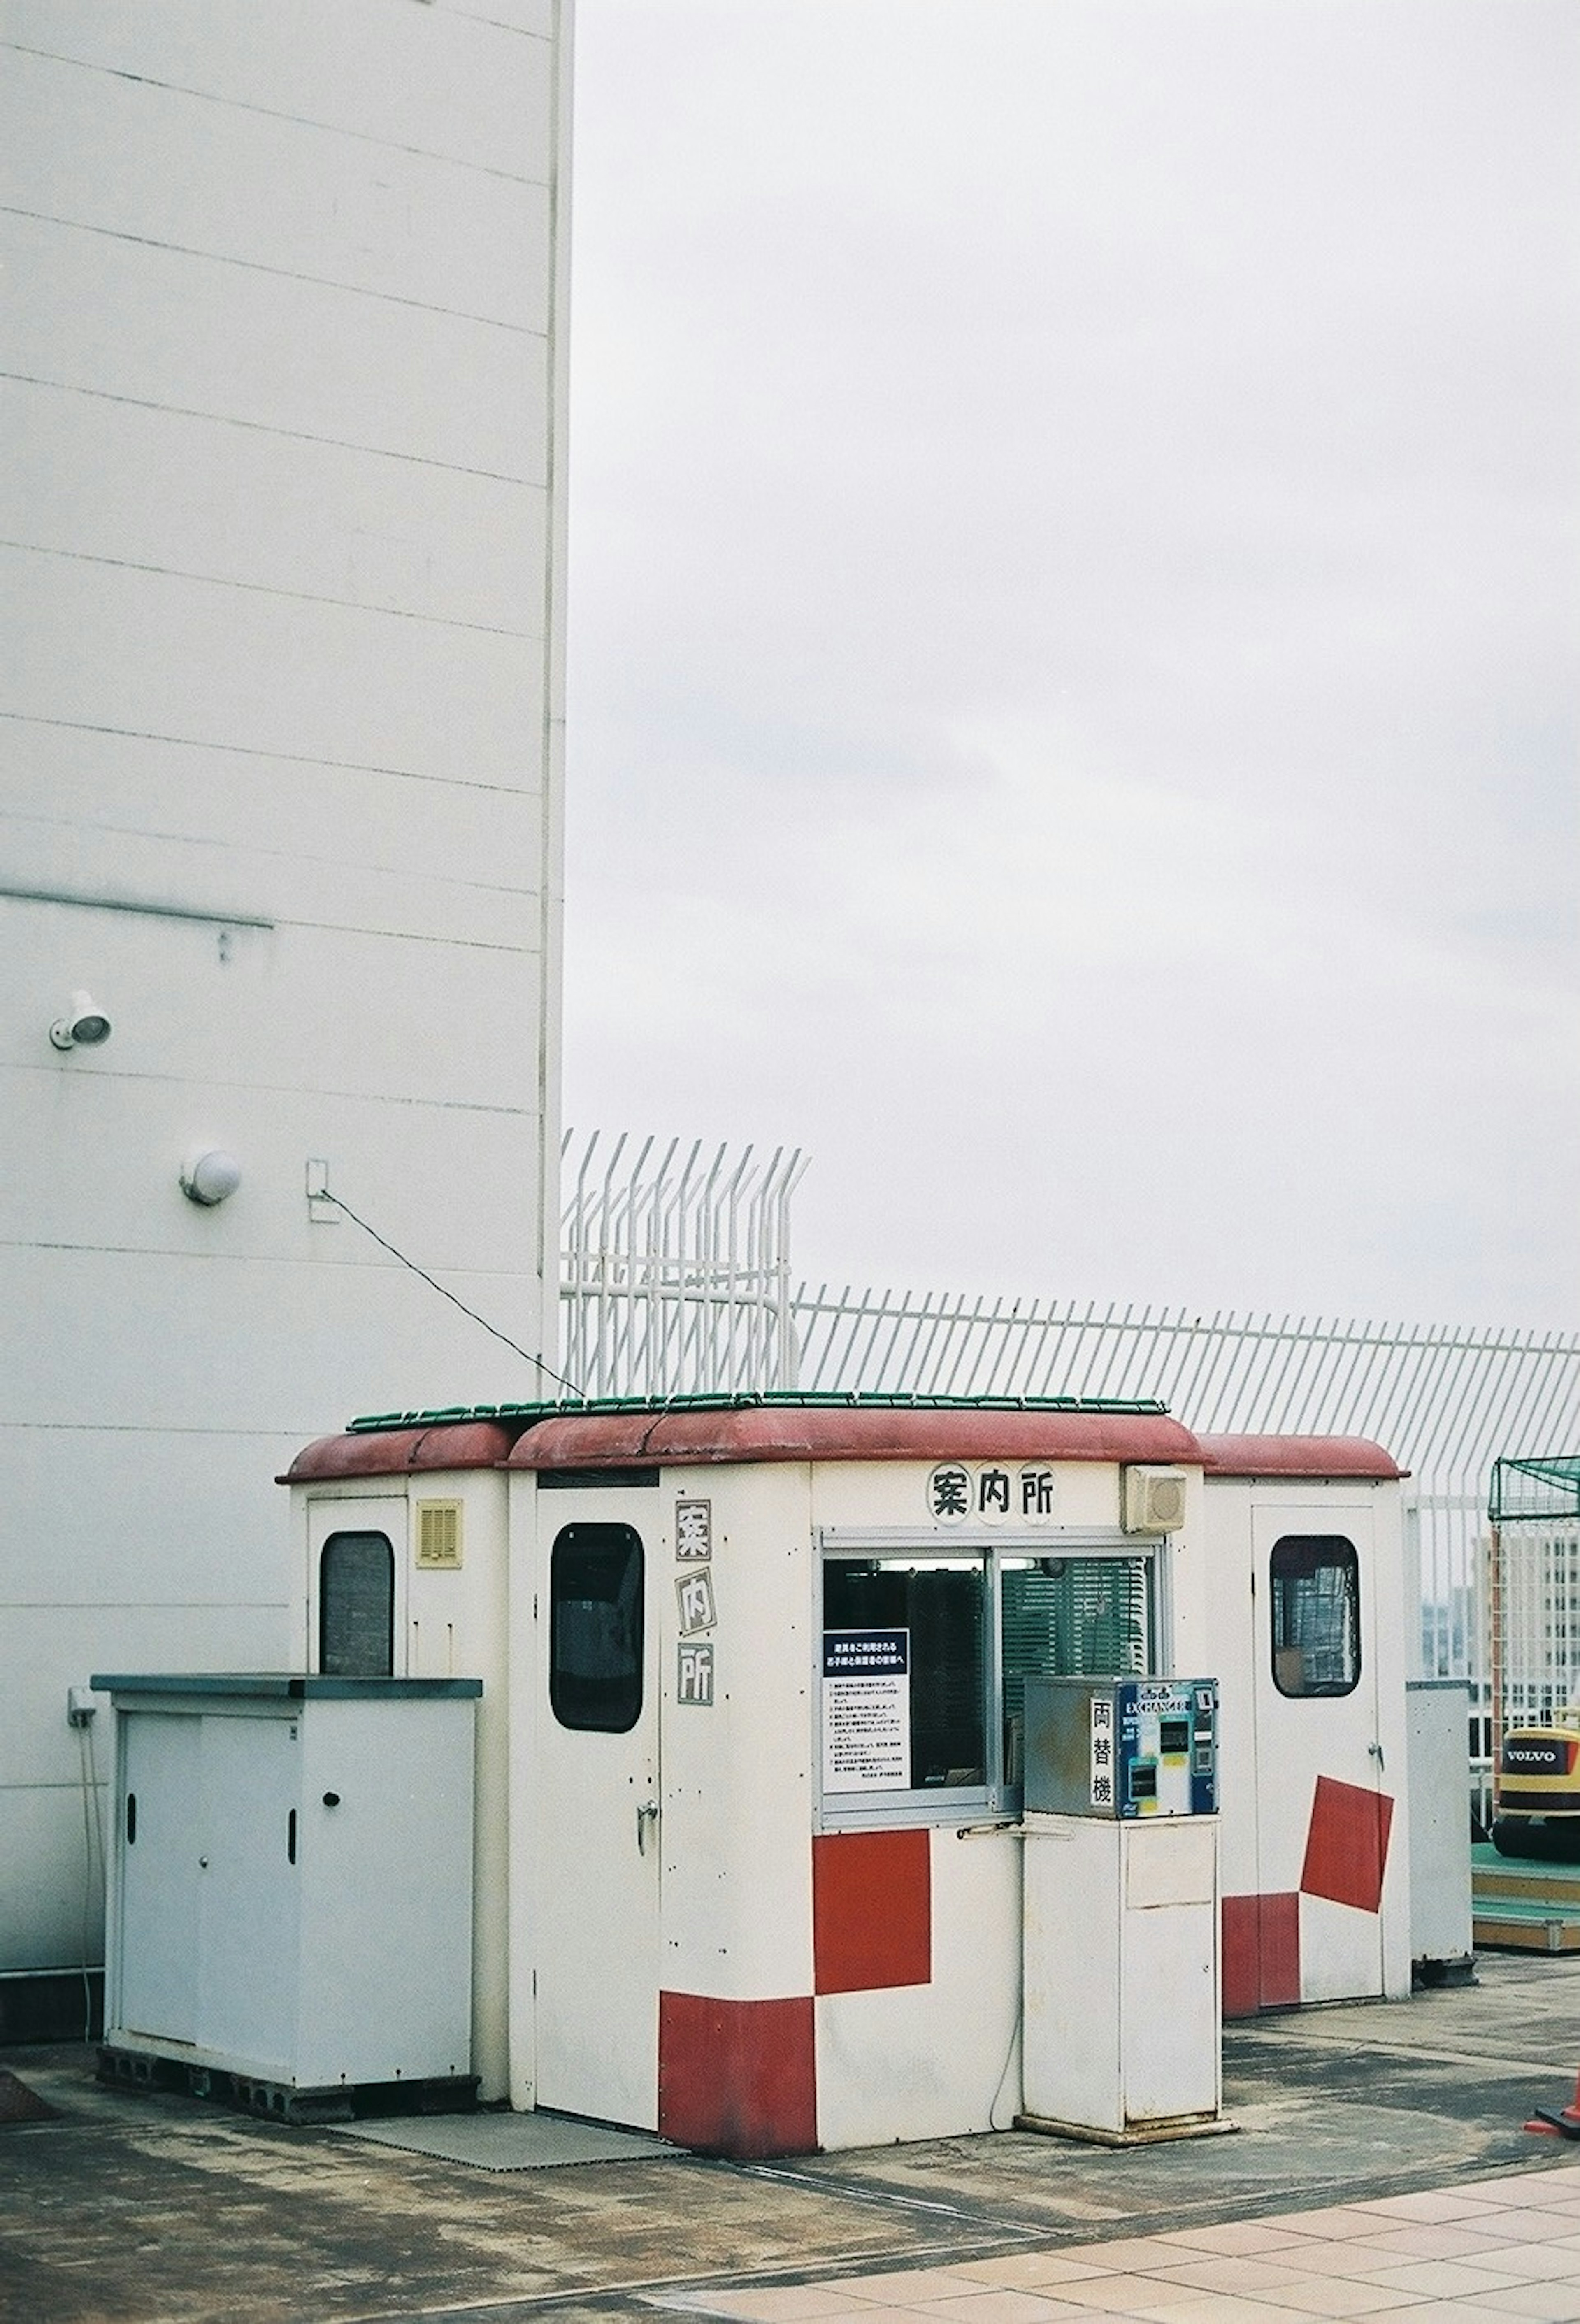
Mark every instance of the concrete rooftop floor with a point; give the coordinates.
(161, 2210)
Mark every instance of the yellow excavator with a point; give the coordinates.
(1536, 1789)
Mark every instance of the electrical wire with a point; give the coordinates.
(1015, 2035)
(92, 1826)
(324, 1195)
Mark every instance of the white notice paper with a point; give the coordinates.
(867, 1710)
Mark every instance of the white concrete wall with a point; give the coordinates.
(737, 1789)
(940, 2058)
(282, 391)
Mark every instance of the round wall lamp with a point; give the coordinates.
(83, 1027)
(210, 1175)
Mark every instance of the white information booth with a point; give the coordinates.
(751, 1861)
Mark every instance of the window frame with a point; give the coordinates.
(1348, 1564)
(632, 1539)
(995, 1798)
(355, 1533)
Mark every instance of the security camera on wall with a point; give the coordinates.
(83, 1027)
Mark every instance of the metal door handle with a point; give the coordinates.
(647, 1813)
(1375, 1750)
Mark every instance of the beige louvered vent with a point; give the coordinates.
(439, 1534)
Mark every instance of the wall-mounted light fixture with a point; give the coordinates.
(83, 1027)
(210, 1175)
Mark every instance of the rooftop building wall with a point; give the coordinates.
(282, 378)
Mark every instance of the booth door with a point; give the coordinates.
(1324, 1794)
(597, 1826)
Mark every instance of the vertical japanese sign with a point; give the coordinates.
(694, 1596)
(1103, 1740)
(693, 1531)
(694, 1672)
(867, 1710)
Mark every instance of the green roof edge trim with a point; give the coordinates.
(373, 1423)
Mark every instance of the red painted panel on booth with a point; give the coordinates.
(738, 2078)
(1346, 1845)
(1279, 1927)
(1261, 1953)
(872, 1910)
(1242, 1979)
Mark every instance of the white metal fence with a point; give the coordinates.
(1447, 1401)
(677, 1278)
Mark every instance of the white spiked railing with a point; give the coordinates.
(676, 1278)
(1445, 1402)
(675, 1268)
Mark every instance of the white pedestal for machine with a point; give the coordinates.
(1123, 2039)
(290, 1887)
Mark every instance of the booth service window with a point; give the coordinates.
(356, 1606)
(925, 1661)
(1315, 1615)
(595, 1627)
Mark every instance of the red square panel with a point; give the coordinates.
(872, 1910)
(1346, 1845)
(1261, 1953)
(738, 2078)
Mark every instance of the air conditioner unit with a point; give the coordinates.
(1153, 1500)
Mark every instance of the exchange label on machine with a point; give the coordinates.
(1122, 1748)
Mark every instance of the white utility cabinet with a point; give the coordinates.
(1437, 1717)
(1123, 2011)
(291, 1890)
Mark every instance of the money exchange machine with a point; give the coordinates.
(1123, 2006)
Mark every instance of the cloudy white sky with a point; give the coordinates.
(1075, 529)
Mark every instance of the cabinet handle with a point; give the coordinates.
(290, 1837)
(130, 1819)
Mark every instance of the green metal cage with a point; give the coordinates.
(1537, 1486)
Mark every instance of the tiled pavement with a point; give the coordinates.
(1503, 2247)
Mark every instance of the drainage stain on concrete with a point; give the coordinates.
(18, 2103)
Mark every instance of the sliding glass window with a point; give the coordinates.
(924, 1660)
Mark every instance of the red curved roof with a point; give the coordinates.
(402, 1452)
(778, 1432)
(1296, 1456)
(711, 1435)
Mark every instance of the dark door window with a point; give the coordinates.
(1315, 1615)
(595, 1627)
(356, 1606)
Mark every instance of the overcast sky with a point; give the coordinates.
(1076, 529)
